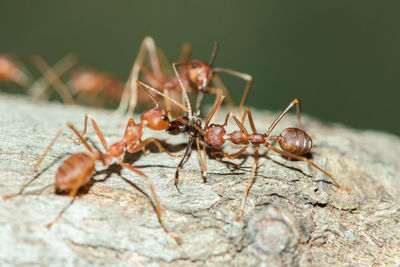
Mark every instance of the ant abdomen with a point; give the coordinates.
(295, 141)
(71, 170)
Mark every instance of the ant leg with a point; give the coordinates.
(144, 143)
(129, 97)
(205, 159)
(238, 123)
(184, 91)
(288, 108)
(216, 107)
(30, 179)
(72, 194)
(221, 86)
(199, 99)
(166, 101)
(50, 75)
(248, 78)
(60, 68)
(290, 155)
(234, 156)
(203, 162)
(247, 112)
(96, 128)
(183, 160)
(153, 193)
(248, 185)
(23, 77)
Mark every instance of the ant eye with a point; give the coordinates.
(164, 117)
(194, 65)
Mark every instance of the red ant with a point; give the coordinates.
(78, 169)
(12, 70)
(83, 81)
(294, 142)
(197, 76)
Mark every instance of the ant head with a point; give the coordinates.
(200, 74)
(156, 119)
(10, 71)
(178, 126)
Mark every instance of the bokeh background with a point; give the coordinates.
(341, 58)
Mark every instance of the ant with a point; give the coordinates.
(294, 142)
(197, 76)
(83, 81)
(79, 168)
(12, 70)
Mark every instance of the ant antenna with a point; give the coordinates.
(214, 54)
(184, 92)
(145, 86)
(148, 93)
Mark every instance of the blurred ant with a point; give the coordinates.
(84, 82)
(12, 70)
(78, 169)
(196, 76)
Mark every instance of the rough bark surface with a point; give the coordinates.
(294, 214)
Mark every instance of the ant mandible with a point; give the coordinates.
(79, 168)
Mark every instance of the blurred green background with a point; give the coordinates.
(341, 58)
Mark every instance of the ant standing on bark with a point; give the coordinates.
(79, 168)
(294, 142)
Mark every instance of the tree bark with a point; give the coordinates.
(294, 214)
